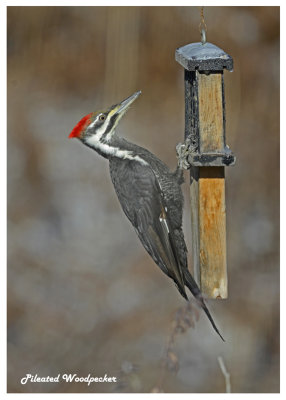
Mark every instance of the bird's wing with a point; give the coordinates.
(142, 200)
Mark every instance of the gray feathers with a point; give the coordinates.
(143, 200)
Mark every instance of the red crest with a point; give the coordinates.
(80, 126)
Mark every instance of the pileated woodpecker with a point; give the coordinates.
(149, 193)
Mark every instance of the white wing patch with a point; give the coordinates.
(164, 222)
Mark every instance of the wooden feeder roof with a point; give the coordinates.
(203, 57)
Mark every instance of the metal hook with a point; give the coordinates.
(203, 36)
(203, 27)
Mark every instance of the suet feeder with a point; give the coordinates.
(207, 155)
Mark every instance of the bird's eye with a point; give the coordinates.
(102, 117)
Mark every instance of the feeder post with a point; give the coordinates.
(207, 156)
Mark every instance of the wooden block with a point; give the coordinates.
(205, 127)
(210, 112)
(212, 232)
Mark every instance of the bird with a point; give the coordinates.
(149, 192)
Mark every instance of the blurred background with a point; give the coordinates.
(83, 295)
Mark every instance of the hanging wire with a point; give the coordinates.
(203, 27)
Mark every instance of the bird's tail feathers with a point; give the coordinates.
(193, 287)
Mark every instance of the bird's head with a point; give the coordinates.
(99, 126)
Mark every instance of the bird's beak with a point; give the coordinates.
(121, 108)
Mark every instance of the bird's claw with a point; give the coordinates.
(182, 150)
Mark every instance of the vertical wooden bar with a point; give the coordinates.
(205, 127)
(194, 195)
(212, 226)
(210, 112)
(192, 132)
(211, 203)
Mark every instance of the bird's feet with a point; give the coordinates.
(182, 150)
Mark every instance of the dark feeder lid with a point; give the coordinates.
(203, 57)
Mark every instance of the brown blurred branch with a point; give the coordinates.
(185, 318)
